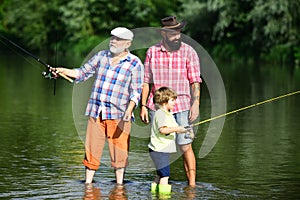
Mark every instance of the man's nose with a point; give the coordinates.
(178, 36)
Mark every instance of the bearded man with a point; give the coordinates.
(174, 64)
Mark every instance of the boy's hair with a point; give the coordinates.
(163, 95)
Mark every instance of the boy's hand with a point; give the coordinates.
(181, 129)
(190, 133)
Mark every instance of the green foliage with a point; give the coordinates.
(2, 5)
(273, 22)
(225, 52)
(85, 45)
(257, 29)
(297, 56)
(76, 18)
(200, 21)
(252, 27)
(34, 21)
(280, 54)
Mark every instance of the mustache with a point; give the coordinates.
(175, 44)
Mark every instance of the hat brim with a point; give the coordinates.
(178, 27)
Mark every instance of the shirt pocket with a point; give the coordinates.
(122, 77)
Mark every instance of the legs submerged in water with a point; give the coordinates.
(89, 175)
(189, 162)
(161, 185)
(119, 172)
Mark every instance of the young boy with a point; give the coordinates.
(162, 140)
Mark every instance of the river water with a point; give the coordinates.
(257, 155)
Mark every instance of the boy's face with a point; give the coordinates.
(171, 103)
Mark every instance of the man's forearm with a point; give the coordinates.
(68, 72)
(196, 92)
(131, 106)
(145, 93)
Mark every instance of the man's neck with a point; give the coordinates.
(116, 58)
(119, 55)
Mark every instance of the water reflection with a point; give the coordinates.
(190, 192)
(256, 157)
(118, 193)
(91, 192)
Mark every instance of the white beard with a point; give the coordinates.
(115, 50)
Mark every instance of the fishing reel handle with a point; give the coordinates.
(66, 77)
(190, 134)
(189, 127)
(57, 73)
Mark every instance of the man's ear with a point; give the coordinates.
(128, 44)
(163, 33)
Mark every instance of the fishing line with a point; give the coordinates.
(55, 62)
(246, 107)
(37, 59)
(18, 53)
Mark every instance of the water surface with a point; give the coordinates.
(256, 156)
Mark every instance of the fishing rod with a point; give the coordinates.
(45, 74)
(245, 108)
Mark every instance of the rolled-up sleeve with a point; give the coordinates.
(137, 78)
(148, 75)
(88, 69)
(193, 66)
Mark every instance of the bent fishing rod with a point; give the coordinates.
(245, 108)
(45, 74)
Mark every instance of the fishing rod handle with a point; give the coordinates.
(65, 77)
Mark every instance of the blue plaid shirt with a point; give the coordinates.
(114, 87)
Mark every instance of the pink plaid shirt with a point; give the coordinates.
(177, 70)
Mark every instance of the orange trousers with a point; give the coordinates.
(116, 132)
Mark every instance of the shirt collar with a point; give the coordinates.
(167, 112)
(128, 57)
(162, 47)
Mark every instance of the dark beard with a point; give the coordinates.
(173, 45)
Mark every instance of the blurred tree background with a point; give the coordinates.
(234, 30)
